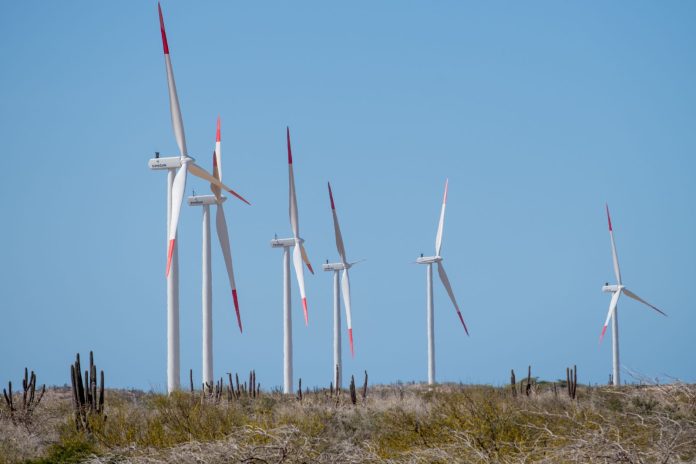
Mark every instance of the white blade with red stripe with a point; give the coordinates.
(441, 224)
(217, 162)
(305, 258)
(337, 230)
(614, 256)
(177, 120)
(345, 290)
(448, 287)
(630, 294)
(299, 254)
(299, 272)
(179, 185)
(178, 188)
(294, 220)
(221, 225)
(203, 174)
(610, 313)
(223, 238)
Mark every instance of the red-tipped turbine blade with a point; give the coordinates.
(297, 263)
(236, 309)
(601, 336)
(174, 108)
(294, 220)
(350, 337)
(630, 294)
(340, 247)
(614, 256)
(345, 291)
(448, 287)
(170, 252)
(223, 238)
(612, 307)
(165, 45)
(441, 223)
(305, 258)
(304, 308)
(203, 174)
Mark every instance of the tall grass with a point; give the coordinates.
(447, 423)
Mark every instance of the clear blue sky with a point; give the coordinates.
(538, 112)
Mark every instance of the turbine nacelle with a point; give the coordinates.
(282, 242)
(204, 200)
(612, 288)
(170, 162)
(336, 266)
(428, 259)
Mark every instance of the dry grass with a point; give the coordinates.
(399, 424)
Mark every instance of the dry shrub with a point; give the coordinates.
(396, 424)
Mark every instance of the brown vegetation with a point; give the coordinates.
(398, 423)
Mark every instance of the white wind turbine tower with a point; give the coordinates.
(175, 197)
(207, 293)
(616, 291)
(298, 256)
(429, 260)
(343, 265)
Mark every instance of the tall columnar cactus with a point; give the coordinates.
(528, 387)
(353, 396)
(88, 400)
(29, 400)
(513, 383)
(572, 381)
(364, 389)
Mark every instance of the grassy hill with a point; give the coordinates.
(394, 423)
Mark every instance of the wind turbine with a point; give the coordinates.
(207, 293)
(298, 256)
(429, 260)
(613, 313)
(175, 197)
(343, 265)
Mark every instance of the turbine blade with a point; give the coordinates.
(438, 238)
(178, 188)
(305, 258)
(294, 220)
(614, 256)
(218, 152)
(630, 294)
(175, 110)
(203, 174)
(214, 188)
(223, 238)
(217, 164)
(345, 290)
(337, 229)
(448, 287)
(610, 313)
(297, 262)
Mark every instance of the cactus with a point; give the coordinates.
(353, 396)
(513, 383)
(572, 381)
(29, 400)
(87, 402)
(299, 390)
(364, 389)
